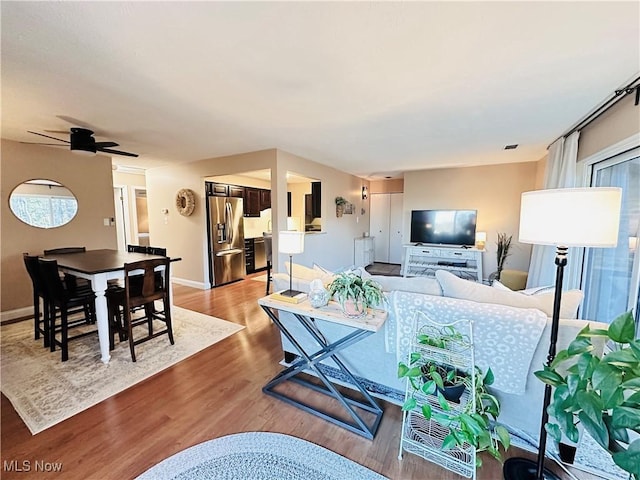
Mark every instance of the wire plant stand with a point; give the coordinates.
(424, 437)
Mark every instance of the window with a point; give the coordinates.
(611, 275)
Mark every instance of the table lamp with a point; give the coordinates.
(291, 243)
(481, 240)
(567, 217)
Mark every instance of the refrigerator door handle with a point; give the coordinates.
(230, 251)
(229, 220)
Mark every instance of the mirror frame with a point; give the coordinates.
(40, 183)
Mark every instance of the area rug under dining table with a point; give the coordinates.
(45, 391)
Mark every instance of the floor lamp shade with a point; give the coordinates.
(568, 217)
(290, 242)
(571, 217)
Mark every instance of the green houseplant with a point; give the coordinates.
(340, 203)
(355, 294)
(603, 394)
(473, 426)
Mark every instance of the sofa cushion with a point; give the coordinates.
(305, 273)
(456, 287)
(429, 286)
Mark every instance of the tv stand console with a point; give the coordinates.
(424, 260)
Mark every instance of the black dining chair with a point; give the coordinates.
(40, 323)
(63, 303)
(122, 303)
(157, 251)
(69, 278)
(137, 248)
(268, 249)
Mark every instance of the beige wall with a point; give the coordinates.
(494, 191)
(618, 123)
(89, 178)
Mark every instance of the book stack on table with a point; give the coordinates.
(290, 299)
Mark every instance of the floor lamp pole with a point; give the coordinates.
(522, 468)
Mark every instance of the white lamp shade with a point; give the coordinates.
(481, 236)
(571, 217)
(291, 242)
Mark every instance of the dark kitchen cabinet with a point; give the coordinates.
(251, 202)
(249, 255)
(316, 200)
(236, 191)
(265, 199)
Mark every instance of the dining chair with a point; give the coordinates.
(69, 278)
(137, 248)
(268, 249)
(122, 302)
(157, 251)
(40, 324)
(80, 304)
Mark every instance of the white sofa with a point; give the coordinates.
(513, 341)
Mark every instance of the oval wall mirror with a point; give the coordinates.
(43, 203)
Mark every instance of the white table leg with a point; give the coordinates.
(99, 285)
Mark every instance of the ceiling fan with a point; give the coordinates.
(81, 141)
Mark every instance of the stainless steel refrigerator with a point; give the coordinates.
(226, 239)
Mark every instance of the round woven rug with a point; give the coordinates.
(258, 456)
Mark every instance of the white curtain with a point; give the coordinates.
(560, 173)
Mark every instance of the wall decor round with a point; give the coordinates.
(185, 201)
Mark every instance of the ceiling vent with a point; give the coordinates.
(513, 146)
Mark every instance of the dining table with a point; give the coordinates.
(100, 266)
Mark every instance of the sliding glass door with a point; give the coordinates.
(611, 278)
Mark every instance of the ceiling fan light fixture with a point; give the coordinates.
(87, 152)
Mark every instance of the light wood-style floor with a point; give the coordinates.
(211, 394)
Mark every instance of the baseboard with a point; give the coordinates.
(191, 283)
(23, 312)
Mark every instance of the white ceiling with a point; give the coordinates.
(373, 89)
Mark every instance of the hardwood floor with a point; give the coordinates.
(213, 393)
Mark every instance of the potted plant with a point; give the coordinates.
(340, 203)
(470, 426)
(601, 394)
(450, 382)
(502, 252)
(355, 294)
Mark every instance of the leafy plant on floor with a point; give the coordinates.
(471, 426)
(603, 394)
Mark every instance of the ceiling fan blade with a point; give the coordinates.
(106, 144)
(117, 152)
(47, 136)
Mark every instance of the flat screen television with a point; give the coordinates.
(444, 227)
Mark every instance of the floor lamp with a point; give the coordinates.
(568, 217)
(290, 242)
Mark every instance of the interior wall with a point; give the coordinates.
(333, 247)
(90, 180)
(494, 191)
(186, 237)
